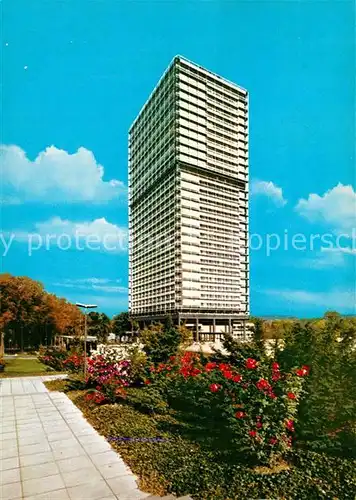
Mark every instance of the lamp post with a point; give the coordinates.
(85, 307)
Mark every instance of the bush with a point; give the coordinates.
(251, 408)
(147, 400)
(53, 358)
(168, 463)
(328, 407)
(74, 363)
(161, 342)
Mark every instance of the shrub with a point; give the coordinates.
(161, 342)
(74, 363)
(252, 407)
(328, 407)
(173, 464)
(147, 399)
(52, 357)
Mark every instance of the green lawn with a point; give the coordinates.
(17, 367)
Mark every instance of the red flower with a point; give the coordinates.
(291, 395)
(259, 425)
(223, 367)
(253, 433)
(210, 366)
(195, 372)
(214, 387)
(227, 374)
(251, 363)
(290, 425)
(239, 414)
(172, 358)
(263, 385)
(273, 441)
(303, 371)
(237, 378)
(147, 382)
(272, 395)
(276, 376)
(152, 369)
(275, 367)
(98, 387)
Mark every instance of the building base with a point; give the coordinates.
(205, 327)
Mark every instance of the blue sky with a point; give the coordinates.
(76, 73)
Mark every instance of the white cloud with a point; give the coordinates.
(267, 188)
(336, 207)
(98, 234)
(335, 299)
(324, 260)
(55, 176)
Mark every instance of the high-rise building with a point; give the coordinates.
(188, 201)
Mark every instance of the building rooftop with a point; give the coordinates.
(194, 65)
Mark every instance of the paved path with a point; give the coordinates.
(48, 451)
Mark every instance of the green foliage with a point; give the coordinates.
(161, 342)
(138, 364)
(166, 462)
(99, 325)
(327, 413)
(238, 352)
(53, 357)
(147, 400)
(121, 324)
(248, 408)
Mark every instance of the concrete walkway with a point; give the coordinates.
(49, 451)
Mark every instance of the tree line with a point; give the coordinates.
(30, 316)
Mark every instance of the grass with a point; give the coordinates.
(22, 367)
(179, 464)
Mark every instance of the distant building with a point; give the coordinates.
(188, 202)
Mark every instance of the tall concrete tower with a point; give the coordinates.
(188, 202)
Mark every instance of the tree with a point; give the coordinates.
(29, 316)
(121, 324)
(99, 325)
(161, 342)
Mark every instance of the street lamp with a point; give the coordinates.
(85, 306)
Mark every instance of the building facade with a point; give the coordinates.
(188, 202)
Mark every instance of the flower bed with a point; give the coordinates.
(53, 358)
(168, 459)
(110, 372)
